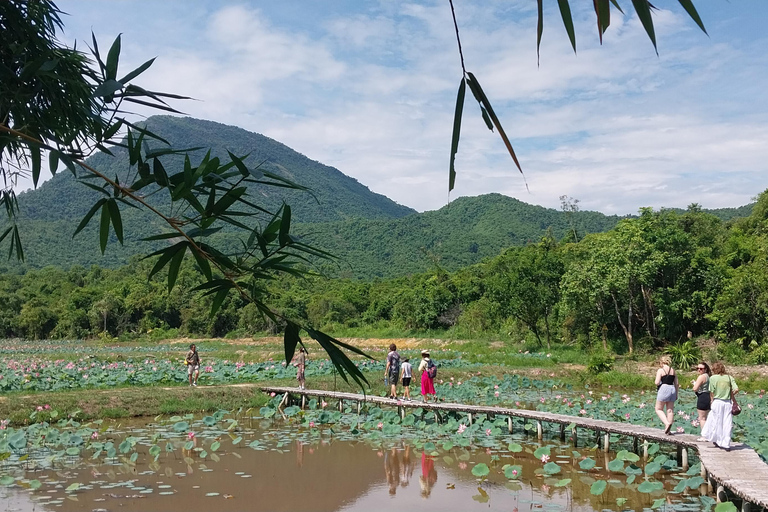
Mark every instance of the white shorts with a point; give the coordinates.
(192, 368)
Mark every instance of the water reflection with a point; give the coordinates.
(295, 469)
(428, 476)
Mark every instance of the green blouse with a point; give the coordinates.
(721, 386)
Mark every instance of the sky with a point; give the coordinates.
(369, 87)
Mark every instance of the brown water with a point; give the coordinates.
(322, 473)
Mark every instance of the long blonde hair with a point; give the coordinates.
(665, 360)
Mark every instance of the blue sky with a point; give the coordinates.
(369, 87)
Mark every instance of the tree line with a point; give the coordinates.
(661, 277)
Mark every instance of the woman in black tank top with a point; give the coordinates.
(667, 386)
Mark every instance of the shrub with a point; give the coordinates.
(684, 355)
(600, 362)
(759, 355)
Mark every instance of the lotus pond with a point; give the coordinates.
(321, 459)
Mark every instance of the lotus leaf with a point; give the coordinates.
(598, 487)
(480, 470)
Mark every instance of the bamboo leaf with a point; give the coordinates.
(290, 339)
(285, 226)
(173, 268)
(34, 153)
(603, 12)
(456, 132)
(88, 216)
(112, 59)
(219, 300)
(643, 9)
(539, 28)
(691, 10)
(53, 162)
(117, 221)
(474, 84)
(165, 256)
(107, 88)
(104, 228)
(136, 72)
(202, 262)
(565, 13)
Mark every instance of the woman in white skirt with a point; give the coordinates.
(667, 386)
(720, 421)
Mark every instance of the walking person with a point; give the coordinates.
(703, 395)
(427, 382)
(392, 371)
(301, 363)
(193, 365)
(720, 421)
(406, 372)
(667, 386)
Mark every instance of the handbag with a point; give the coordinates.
(735, 407)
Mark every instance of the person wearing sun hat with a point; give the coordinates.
(427, 382)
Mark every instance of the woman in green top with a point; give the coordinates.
(703, 396)
(720, 421)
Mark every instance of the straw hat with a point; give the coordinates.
(425, 352)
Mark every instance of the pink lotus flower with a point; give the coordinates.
(46, 407)
(487, 431)
(324, 404)
(463, 427)
(545, 458)
(272, 394)
(311, 424)
(626, 416)
(582, 412)
(379, 425)
(191, 435)
(94, 435)
(496, 386)
(514, 472)
(462, 465)
(39, 407)
(750, 406)
(680, 430)
(496, 394)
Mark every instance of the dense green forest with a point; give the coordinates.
(655, 279)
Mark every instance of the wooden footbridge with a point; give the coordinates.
(740, 470)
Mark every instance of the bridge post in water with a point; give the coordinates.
(539, 430)
(562, 432)
(509, 424)
(575, 436)
(635, 445)
(469, 418)
(645, 449)
(607, 441)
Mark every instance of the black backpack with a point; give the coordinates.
(431, 369)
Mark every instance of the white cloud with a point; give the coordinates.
(371, 90)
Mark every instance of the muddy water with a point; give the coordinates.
(299, 471)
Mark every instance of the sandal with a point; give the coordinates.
(668, 430)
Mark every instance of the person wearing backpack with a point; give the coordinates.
(428, 370)
(392, 371)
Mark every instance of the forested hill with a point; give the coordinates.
(339, 197)
(459, 234)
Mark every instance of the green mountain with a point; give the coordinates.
(459, 234)
(371, 235)
(50, 214)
